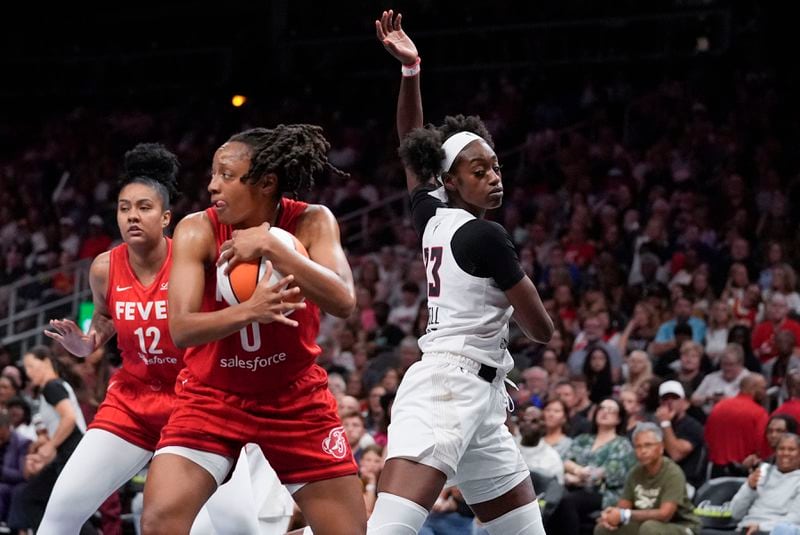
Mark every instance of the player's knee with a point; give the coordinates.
(651, 527)
(524, 520)
(158, 520)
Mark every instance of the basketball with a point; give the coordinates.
(238, 286)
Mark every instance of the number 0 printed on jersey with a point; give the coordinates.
(433, 262)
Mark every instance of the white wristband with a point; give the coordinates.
(411, 70)
(625, 516)
(370, 487)
(665, 424)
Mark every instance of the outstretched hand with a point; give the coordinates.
(390, 33)
(68, 334)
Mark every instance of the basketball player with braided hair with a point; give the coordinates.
(129, 289)
(448, 419)
(250, 373)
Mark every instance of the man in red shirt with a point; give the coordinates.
(735, 427)
(764, 334)
(792, 405)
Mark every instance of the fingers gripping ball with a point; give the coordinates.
(238, 286)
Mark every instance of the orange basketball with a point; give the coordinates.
(238, 286)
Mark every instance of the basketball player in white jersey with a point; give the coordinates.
(449, 414)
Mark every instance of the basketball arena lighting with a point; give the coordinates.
(238, 101)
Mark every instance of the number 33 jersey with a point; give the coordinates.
(469, 264)
(140, 317)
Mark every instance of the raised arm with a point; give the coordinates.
(68, 333)
(193, 248)
(390, 33)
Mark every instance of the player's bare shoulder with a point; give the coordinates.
(316, 222)
(195, 232)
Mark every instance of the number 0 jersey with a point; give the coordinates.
(140, 317)
(261, 359)
(469, 263)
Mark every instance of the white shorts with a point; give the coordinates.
(446, 417)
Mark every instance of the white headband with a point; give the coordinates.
(454, 145)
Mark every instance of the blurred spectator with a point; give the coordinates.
(719, 323)
(597, 370)
(640, 330)
(735, 428)
(556, 370)
(682, 313)
(387, 335)
(775, 369)
(683, 435)
(633, 407)
(654, 500)
(8, 390)
(405, 313)
(740, 334)
(769, 501)
(97, 239)
(538, 454)
(590, 337)
(777, 426)
(556, 416)
(356, 433)
(595, 469)
(747, 309)
(533, 389)
(370, 464)
(667, 359)
(13, 448)
(784, 282)
(639, 368)
(724, 383)
(792, 405)
(776, 320)
(19, 414)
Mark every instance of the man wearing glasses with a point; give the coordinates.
(654, 500)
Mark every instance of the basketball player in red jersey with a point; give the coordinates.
(250, 374)
(129, 288)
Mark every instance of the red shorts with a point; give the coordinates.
(298, 430)
(135, 410)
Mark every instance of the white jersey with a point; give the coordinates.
(467, 315)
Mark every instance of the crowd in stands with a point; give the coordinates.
(659, 230)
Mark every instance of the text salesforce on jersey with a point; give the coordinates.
(252, 364)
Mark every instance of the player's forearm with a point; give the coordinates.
(104, 328)
(409, 106)
(66, 426)
(319, 284)
(196, 328)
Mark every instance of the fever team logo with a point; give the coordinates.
(335, 444)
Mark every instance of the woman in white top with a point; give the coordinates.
(719, 323)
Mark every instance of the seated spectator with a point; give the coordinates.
(19, 414)
(386, 335)
(690, 367)
(769, 502)
(719, 323)
(776, 320)
(538, 455)
(595, 470)
(739, 334)
(638, 368)
(356, 433)
(8, 390)
(775, 369)
(654, 500)
(777, 426)
(347, 405)
(682, 313)
(597, 370)
(556, 371)
(556, 424)
(576, 395)
(629, 398)
(748, 307)
(724, 383)
(13, 448)
(404, 314)
(792, 405)
(533, 389)
(591, 337)
(370, 464)
(640, 330)
(683, 435)
(735, 428)
(665, 362)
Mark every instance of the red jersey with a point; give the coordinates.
(764, 335)
(261, 359)
(735, 429)
(140, 317)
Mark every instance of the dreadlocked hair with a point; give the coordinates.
(294, 152)
(421, 150)
(153, 165)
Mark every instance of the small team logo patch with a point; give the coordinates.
(335, 444)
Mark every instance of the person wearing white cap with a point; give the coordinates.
(448, 419)
(683, 435)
